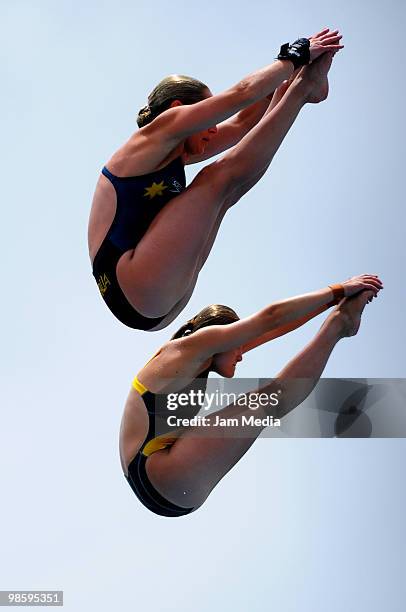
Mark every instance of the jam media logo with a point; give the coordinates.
(103, 283)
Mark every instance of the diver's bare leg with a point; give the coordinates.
(187, 472)
(176, 243)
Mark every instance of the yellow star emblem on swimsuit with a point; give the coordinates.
(154, 190)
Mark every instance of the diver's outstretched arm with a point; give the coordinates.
(162, 135)
(277, 318)
(290, 310)
(232, 130)
(285, 329)
(210, 452)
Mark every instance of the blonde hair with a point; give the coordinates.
(216, 314)
(174, 87)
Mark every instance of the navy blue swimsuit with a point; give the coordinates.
(139, 200)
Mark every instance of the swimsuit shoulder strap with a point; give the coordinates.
(138, 386)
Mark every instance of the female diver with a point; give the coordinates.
(173, 473)
(149, 236)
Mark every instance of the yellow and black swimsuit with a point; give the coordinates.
(137, 476)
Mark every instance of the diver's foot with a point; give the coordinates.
(316, 77)
(349, 310)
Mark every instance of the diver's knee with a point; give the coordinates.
(219, 178)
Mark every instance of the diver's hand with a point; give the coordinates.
(326, 40)
(361, 283)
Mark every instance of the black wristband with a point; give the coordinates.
(298, 52)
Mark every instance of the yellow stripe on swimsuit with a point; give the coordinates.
(138, 386)
(159, 442)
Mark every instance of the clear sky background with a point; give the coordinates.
(298, 524)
